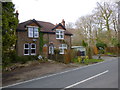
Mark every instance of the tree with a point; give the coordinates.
(107, 12)
(9, 25)
(84, 43)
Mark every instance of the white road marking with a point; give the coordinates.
(51, 75)
(86, 80)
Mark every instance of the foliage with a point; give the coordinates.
(101, 25)
(87, 61)
(56, 51)
(41, 40)
(9, 24)
(89, 52)
(108, 53)
(101, 51)
(115, 42)
(101, 44)
(73, 54)
(84, 43)
(12, 57)
(118, 44)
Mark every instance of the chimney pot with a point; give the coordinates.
(63, 22)
(17, 14)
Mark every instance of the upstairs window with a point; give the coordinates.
(59, 34)
(33, 32)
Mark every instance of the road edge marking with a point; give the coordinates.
(85, 80)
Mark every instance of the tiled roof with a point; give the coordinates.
(46, 27)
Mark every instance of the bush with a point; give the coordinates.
(73, 54)
(56, 51)
(24, 59)
(12, 57)
(101, 45)
(7, 57)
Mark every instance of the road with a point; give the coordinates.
(100, 75)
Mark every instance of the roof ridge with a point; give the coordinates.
(44, 22)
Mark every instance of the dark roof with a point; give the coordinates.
(46, 27)
(58, 26)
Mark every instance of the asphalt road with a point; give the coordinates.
(100, 75)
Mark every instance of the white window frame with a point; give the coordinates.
(29, 48)
(58, 32)
(32, 49)
(62, 48)
(36, 32)
(33, 32)
(30, 32)
(51, 49)
(26, 48)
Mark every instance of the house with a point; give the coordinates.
(29, 38)
(80, 48)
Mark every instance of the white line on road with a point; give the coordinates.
(51, 75)
(86, 80)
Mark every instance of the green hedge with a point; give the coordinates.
(11, 57)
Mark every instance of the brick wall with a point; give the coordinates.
(22, 38)
(56, 42)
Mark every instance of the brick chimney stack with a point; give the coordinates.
(17, 14)
(63, 22)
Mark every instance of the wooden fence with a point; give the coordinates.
(114, 50)
(65, 58)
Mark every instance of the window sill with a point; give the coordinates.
(60, 38)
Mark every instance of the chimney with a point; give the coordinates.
(17, 14)
(63, 22)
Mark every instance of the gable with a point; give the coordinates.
(32, 24)
(59, 26)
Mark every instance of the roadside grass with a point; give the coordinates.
(87, 61)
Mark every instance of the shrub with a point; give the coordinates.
(73, 54)
(56, 51)
(101, 44)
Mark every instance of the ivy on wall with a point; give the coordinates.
(41, 41)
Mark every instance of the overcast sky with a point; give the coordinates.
(53, 10)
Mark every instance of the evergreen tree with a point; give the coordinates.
(9, 25)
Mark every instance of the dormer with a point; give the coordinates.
(60, 30)
(60, 33)
(33, 31)
(32, 28)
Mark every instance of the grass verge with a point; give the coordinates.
(87, 61)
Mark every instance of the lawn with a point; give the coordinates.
(87, 61)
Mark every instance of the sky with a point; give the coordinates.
(54, 10)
